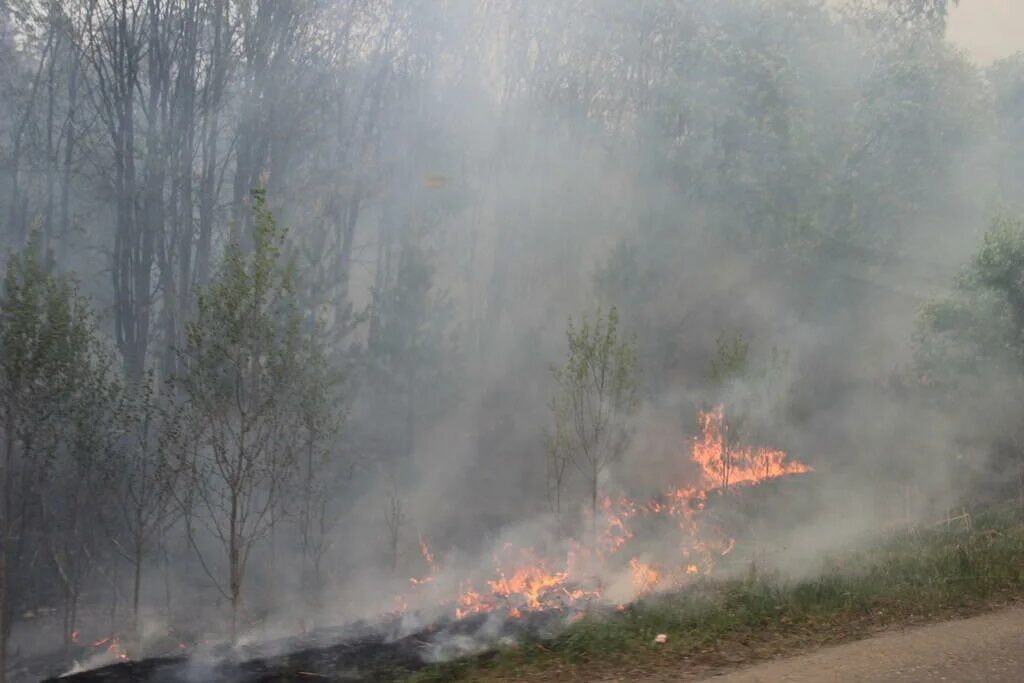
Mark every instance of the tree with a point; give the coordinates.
(395, 518)
(727, 366)
(597, 394)
(321, 423)
(243, 382)
(88, 425)
(143, 476)
(558, 447)
(412, 356)
(52, 386)
(969, 345)
(982, 320)
(928, 14)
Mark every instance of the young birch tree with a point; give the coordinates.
(597, 395)
(242, 364)
(143, 477)
(49, 372)
(558, 447)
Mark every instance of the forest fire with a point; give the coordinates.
(628, 550)
(111, 644)
(524, 581)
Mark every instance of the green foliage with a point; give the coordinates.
(981, 322)
(58, 421)
(601, 366)
(255, 386)
(730, 359)
(597, 395)
(413, 356)
(246, 333)
(412, 336)
(52, 362)
(969, 350)
(924, 575)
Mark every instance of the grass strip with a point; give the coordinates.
(713, 624)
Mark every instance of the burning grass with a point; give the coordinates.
(710, 624)
(714, 624)
(672, 560)
(691, 542)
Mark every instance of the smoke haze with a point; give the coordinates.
(796, 178)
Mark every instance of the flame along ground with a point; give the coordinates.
(523, 580)
(111, 644)
(114, 646)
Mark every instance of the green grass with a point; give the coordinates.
(906, 578)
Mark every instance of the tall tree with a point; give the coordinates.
(52, 383)
(969, 347)
(242, 378)
(142, 476)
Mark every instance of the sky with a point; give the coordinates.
(988, 29)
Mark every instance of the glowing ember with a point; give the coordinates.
(113, 645)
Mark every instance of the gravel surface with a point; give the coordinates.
(988, 648)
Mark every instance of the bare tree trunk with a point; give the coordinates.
(69, 143)
(5, 550)
(234, 560)
(166, 561)
(17, 219)
(906, 504)
(66, 625)
(1020, 481)
(395, 520)
(113, 594)
(71, 596)
(593, 504)
(207, 201)
(51, 150)
(726, 467)
(136, 591)
(211, 132)
(558, 511)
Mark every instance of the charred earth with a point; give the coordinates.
(360, 652)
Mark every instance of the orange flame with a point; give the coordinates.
(523, 581)
(427, 555)
(644, 576)
(724, 464)
(113, 646)
(528, 583)
(470, 602)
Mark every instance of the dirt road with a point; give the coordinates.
(988, 648)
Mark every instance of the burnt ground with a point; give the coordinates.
(360, 652)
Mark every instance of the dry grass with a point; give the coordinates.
(716, 625)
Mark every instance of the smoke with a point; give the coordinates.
(783, 173)
(783, 195)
